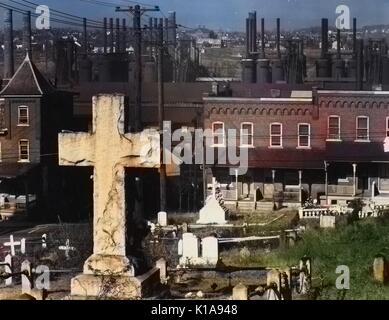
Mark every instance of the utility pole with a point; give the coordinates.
(137, 13)
(161, 117)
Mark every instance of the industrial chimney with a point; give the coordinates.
(8, 45)
(278, 74)
(249, 68)
(323, 65)
(105, 36)
(111, 35)
(339, 65)
(263, 65)
(27, 33)
(118, 36)
(352, 64)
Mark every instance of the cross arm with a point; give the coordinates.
(76, 149)
(141, 149)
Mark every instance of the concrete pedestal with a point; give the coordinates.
(115, 287)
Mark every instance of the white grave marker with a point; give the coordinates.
(162, 219)
(13, 244)
(67, 248)
(210, 250)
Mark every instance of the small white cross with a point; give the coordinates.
(67, 248)
(13, 244)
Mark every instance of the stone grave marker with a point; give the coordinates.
(327, 222)
(190, 249)
(13, 244)
(210, 250)
(109, 150)
(162, 266)
(212, 212)
(162, 219)
(379, 269)
(240, 292)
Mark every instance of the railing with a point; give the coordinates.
(313, 213)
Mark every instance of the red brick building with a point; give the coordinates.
(325, 144)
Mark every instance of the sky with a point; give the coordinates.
(230, 14)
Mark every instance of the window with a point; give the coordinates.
(24, 151)
(333, 128)
(246, 134)
(276, 135)
(304, 132)
(218, 134)
(23, 119)
(362, 128)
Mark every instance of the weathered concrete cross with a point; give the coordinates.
(109, 150)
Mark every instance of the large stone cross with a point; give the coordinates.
(109, 150)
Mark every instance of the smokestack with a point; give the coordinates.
(355, 35)
(324, 37)
(105, 36)
(172, 31)
(117, 42)
(8, 45)
(248, 37)
(124, 35)
(85, 38)
(278, 37)
(166, 31)
(338, 56)
(111, 35)
(27, 33)
(263, 37)
(360, 65)
(254, 32)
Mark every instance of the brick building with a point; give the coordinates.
(32, 113)
(329, 145)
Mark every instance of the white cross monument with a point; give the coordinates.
(109, 150)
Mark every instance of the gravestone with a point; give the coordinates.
(212, 212)
(210, 250)
(162, 266)
(240, 292)
(274, 277)
(162, 219)
(13, 244)
(190, 249)
(110, 150)
(379, 269)
(327, 222)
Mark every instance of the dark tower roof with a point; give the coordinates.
(27, 81)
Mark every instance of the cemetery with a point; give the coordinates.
(219, 252)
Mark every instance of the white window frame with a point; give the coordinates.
(356, 129)
(249, 134)
(328, 128)
(218, 134)
(299, 146)
(28, 116)
(275, 135)
(28, 150)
